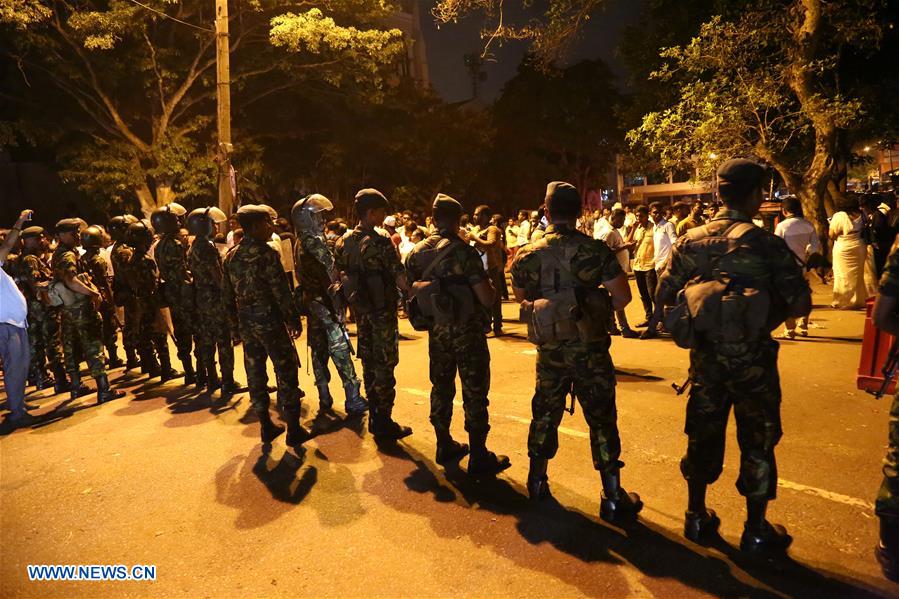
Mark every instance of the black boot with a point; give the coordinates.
(149, 365)
(166, 372)
(484, 463)
(296, 433)
(61, 382)
(190, 375)
(384, 428)
(759, 535)
(114, 360)
(325, 401)
(269, 430)
(213, 383)
(104, 393)
(131, 361)
(355, 404)
(700, 523)
(201, 377)
(538, 481)
(76, 389)
(449, 451)
(887, 551)
(229, 387)
(44, 380)
(617, 505)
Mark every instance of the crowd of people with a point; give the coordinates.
(715, 281)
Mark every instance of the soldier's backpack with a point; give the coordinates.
(439, 301)
(716, 306)
(566, 310)
(363, 289)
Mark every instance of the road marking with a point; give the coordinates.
(786, 484)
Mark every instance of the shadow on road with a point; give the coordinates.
(489, 511)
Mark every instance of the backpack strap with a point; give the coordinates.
(555, 267)
(442, 252)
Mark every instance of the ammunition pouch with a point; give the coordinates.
(440, 302)
(567, 318)
(364, 292)
(60, 296)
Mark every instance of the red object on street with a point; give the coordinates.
(875, 349)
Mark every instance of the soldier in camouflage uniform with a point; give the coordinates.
(177, 285)
(575, 360)
(886, 506)
(81, 325)
(370, 266)
(257, 299)
(122, 293)
(142, 278)
(458, 343)
(734, 363)
(213, 326)
(317, 276)
(33, 274)
(98, 269)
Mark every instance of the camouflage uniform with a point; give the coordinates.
(98, 269)
(257, 297)
(81, 325)
(43, 321)
(378, 329)
(743, 375)
(887, 504)
(213, 327)
(142, 278)
(325, 336)
(457, 347)
(177, 292)
(566, 366)
(124, 295)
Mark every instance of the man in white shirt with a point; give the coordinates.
(613, 239)
(802, 239)
(663, 238)
(14, 347)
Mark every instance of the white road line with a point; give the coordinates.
(786, 484)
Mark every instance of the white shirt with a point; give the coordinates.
(615, 242)
(524, 233)
(800, 236)
(13, 308)
(663, 237)
(600, 227)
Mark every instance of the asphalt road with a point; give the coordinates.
(180, 481)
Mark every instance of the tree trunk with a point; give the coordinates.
(813, 207)
(147, 201)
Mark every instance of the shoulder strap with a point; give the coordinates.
(555, 267)
(442, 252)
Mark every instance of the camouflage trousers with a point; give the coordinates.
(43, 334)
(130, 324)
(462, 349)
(109, 330)
(379, 350)
(151, 336)
(265, 337)
(751, 385)
(326, 340)
(587, 370)
(213, 332)
(183, 318)
(82, 330)
(887, 504)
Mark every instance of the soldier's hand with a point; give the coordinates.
(97, 301)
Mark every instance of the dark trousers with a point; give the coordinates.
(646, 285)
(498, 278)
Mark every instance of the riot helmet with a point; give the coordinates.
(307, 214)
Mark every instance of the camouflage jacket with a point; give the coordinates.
(66, 261)
(172, 261)
(206, 267)
(120, 256)
(142, 277)
(314, 266)
(368, 251)
(30, 270)
(593, 262)
(889, 281)
(255, 283)
(770, 265)
(98, 269)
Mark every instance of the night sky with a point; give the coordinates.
(447, 46)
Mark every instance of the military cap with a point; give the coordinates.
(248, 214)
(742, 173)
(70, 225)
(30, 232)
(562, 199)
(369, 199)
(444, 205)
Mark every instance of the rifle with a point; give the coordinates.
(570, 408)
(681, 388)
(889, 370)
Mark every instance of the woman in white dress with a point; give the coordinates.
(849, 256)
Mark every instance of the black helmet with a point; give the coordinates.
(201, 222)
(139, 236)
(92, 237)
(164, 221)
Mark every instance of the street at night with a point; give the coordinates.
(178, 480)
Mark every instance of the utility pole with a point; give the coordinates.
(223, 96)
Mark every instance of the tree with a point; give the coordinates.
(553, 123)
(127, 89)
(768, 83)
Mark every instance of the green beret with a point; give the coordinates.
(742, 173)
(445, 205)
(369, 199)
(254, 209)
(70, 225)
(30, 232)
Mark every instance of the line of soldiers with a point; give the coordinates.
(727, 286)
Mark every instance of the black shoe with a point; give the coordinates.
(167, 374)
(701, 527)
(617, 505)
(325, 401)
(229, 388)
(450, 452)
(629, 334)
(389, 430)
(44, 380)
(268, 429)
(538, 481)
(190, 378)
(114, 362)
(487, 464)
(889, 562)
(213, 383)
(297, 434)
(355, 405)
(104, 393)
(772, 538)
(645, 323)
